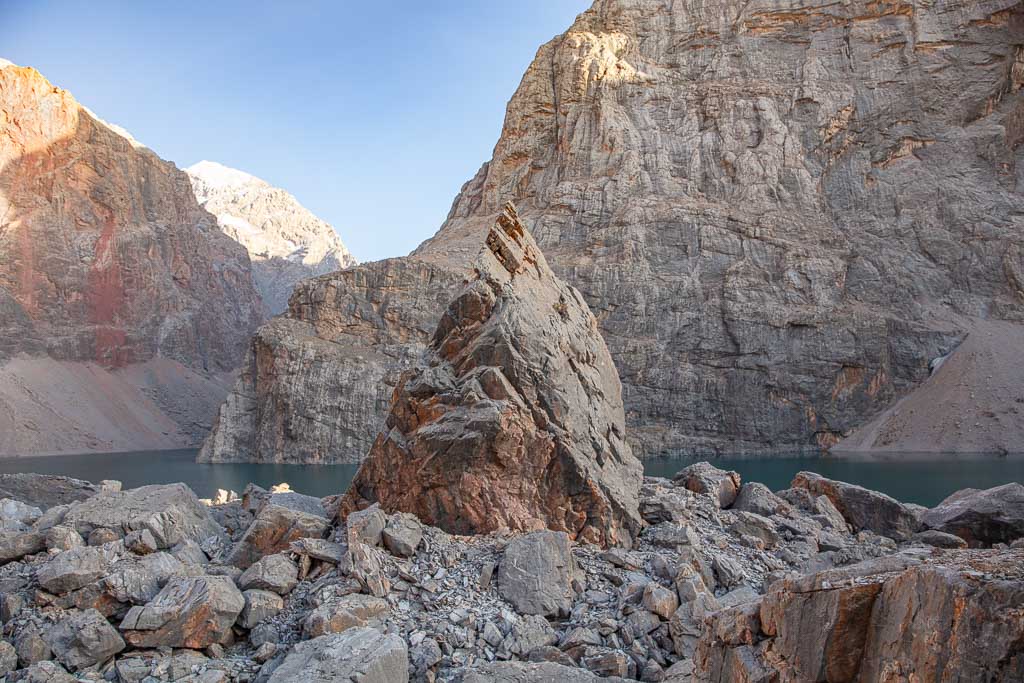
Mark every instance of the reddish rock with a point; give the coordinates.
(514, 418)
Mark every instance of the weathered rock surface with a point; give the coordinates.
(994, 515)
(951, 617)
(44, 490)
(745, 195)
(170, 512)
(523, 672)
(513, 419)
(106, 261)
(358, 654)
(273, 530)
(861, 507)
(536, 574)
(705, 478)
(285, 241)
(188, 612)
(84, 639)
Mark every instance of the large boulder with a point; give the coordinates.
(83, 639)
(513, 419)
(536, 573)
(894, 618)
(358, 654)
(273, 531)
(72, 569)
(532, 672)
(189, 612)
(994, 515)
(170, 512)
(863, 508)
(45, 490)
(704, 478)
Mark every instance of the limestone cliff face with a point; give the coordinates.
(780, 213)
(285, 241)
(105, 256)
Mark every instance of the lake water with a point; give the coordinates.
(907, 478)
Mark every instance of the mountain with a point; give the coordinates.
(124, 308)
(285, 241)
(780, 214)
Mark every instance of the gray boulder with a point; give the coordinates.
(259, 605)
(347, 612)
(366, 526)
(72, 569)
(189, 612)
(402, 535)
(994, 515)
(45, 491)
(536, 573)
(8, 658)
(757, 498)
(170, 512)
(863, 508)
(83, 639)
(532, 672)
(939, 539)
(274, 573)
(358, 654)
(273, 531)
(705, 478)
(15, 545)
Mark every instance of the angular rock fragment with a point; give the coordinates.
(273, 573)
(273, 530)
(347, 612)
(536, 573)
(72, 569)
(188, 612)
(514, 418)
(83, 639)
(525, 672)
(259, 605)
(358, 654)
(402, 534)
(705, 478)
(15, 545)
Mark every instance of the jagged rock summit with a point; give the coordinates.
(513, 419)
(122, 304)
(285, 241)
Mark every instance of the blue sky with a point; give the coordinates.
(372, 114)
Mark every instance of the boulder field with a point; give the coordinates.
(723, 581)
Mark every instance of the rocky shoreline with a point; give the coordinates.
(727, 581)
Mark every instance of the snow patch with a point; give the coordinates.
(219, 176)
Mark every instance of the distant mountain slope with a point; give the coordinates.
(285, 241)
(107, 264)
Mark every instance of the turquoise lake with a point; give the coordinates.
(909, 478)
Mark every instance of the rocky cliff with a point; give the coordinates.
(513, 417)
(780, 213)
(106, 259)
(285, 241)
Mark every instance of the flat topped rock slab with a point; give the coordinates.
(171, 512)
(513, 418)
(45, 490)
(863, 508)
(995, 515)
(358, 654)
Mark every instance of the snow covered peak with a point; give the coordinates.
(285, 240)
(4, 63)
(219, 176)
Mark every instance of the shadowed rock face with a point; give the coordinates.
(779, 213)
(513, 418)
